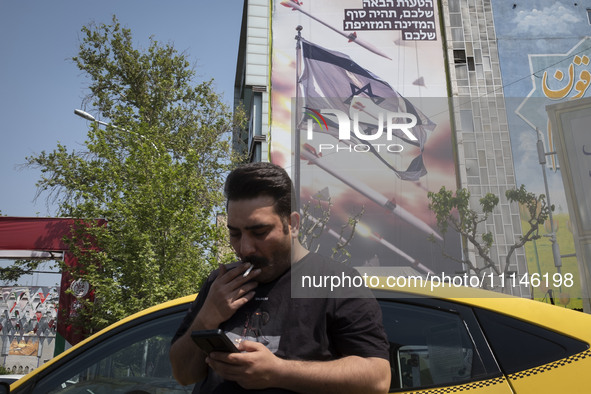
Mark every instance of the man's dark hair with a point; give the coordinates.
(262, 179)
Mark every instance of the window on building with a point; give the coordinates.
(459, 56)
(467, 121)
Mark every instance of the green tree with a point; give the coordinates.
(154, 174)
(314, 225)
(454, 211)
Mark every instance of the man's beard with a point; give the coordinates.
(280, 258)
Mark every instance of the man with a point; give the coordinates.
(286, 344)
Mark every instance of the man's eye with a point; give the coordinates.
(260, 233)
(234, 235)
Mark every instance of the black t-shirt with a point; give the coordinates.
(317, 324)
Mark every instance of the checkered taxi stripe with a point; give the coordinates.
(553, 365)
(464, 387)
(518, 375)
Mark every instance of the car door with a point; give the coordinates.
(437, 345)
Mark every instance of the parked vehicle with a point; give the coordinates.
(9, 378)
(464, 340)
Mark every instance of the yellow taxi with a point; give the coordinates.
(460, 340)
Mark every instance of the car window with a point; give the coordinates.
(519, 345)
(428, 347)
(135, 360)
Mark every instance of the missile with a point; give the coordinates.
(414, 262)
(352, 37)
(309, 154)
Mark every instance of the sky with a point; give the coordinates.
(40, 87)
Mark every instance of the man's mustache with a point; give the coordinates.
(257, 261)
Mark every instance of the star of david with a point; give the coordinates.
(355, 91)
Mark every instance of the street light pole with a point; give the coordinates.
(87, 116)
(542, 159)
(297, 160)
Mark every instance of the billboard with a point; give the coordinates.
(28, 325)
(360, 118)
(542, 66)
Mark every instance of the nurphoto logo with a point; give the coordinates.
(385, 123)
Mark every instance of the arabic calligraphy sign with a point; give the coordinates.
(582, 80)
(565, 76)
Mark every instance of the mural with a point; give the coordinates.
(28, 322)
(542, 66)
(359, 116)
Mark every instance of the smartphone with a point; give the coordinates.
(213, 341)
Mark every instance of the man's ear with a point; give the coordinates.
(294, 223)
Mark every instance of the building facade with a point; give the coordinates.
(470, 79)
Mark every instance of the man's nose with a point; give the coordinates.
(247, 246)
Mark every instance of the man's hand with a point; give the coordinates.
(254, 368)
(229, 291)
(257, 368)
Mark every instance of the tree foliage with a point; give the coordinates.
(155, 174)
(454, 211)
(316, 214)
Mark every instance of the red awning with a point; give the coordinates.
(41, 234)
